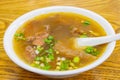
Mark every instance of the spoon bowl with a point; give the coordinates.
(95, 40)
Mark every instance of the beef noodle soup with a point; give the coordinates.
(45, 42)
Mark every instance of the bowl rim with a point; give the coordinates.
(11, 29)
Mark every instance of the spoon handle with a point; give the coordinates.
(96, 40)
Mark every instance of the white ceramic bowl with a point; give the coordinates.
(8, 37)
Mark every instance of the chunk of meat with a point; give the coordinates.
(59, 46)
(30, 38)
(84, 56)
(38, 38)
(76, 31)
(29, 54)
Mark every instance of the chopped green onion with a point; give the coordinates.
(39, 48)
(19, 36)
(35, 65)
(64, 65)
(86, 23)
(51, 56)
(50, 37)
(50, 50)
(37, 58)
(47, 41)
(95, 53)
(50, 41)
(42, 59)
(47, 66)
(76, 59)
(51, 45)
(91, 50)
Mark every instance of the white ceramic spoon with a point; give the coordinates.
(93, 41)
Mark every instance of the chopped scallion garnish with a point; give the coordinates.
(47, 41)
(86, 23)
(39, 48)
(19, 36)
(64, 65)
(42, 59)
(50, 50)
(37, 58)
(91, 50)
(76, 59)
(51, 56)
(50, 37)
(47, 66)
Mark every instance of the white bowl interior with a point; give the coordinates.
(19, 21)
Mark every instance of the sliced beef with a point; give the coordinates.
(76, 31)
(30, 38)
(29, 53)
(38, 38)
(84, 56)
(65, 51)
(59, 46)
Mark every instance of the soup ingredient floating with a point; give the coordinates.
(45, 42)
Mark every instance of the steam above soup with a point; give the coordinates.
(45, 41)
